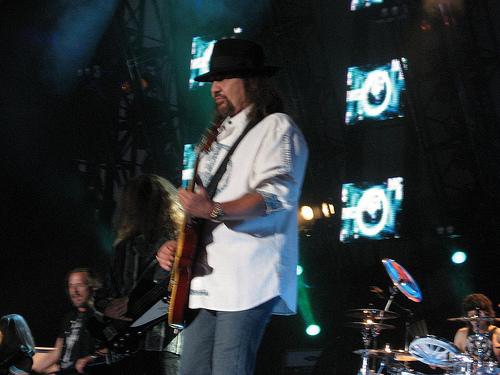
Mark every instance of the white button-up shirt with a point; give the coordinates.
(244, 263)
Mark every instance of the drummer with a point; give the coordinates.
(466, 339)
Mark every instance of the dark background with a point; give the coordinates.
(57, 214)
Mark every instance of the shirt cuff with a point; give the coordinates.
(271, 201)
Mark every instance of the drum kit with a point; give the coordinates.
(430, 350)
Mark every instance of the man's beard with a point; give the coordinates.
(227, 109)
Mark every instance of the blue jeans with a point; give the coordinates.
(224, 343)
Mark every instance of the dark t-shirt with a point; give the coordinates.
(77, 341)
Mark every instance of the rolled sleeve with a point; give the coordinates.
(280, 164)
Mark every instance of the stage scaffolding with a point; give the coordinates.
(141, 129)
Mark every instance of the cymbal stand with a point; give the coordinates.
(393, 292)
(382, 366)
(407, 328)
(480, 336)
(367, 334)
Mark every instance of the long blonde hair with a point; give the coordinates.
(148, 207)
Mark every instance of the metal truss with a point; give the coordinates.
(144, 133)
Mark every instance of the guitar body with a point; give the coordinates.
(187, 244)
(146, 307)
(180, 279)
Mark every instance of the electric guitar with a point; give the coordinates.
(146, 307)
(187, 246)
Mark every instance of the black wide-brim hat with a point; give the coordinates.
(236, 58)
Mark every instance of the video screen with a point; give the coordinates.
(374, 92)
(188, 162)
(360, 4)
(201, 50)
(371, 211)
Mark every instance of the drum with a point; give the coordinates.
(435, 351)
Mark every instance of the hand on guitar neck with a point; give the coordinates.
(166, 255)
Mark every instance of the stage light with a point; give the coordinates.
(307, 213)
(313, 330)
(237, 30)
(300, 270)
(459, 257)
(328, 209)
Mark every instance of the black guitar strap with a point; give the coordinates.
(212, 186)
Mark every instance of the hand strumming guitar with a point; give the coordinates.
(197, 204)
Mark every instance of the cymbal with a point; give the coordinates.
(473, 319)
(371, 314)
(396, 354)
(369, 324)
(404, 356)
(402, 280)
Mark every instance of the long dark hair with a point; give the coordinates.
(147, 207)
(16, 336)
(264, 96)
(478, 301)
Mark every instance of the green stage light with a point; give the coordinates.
(300, 270)
(313, 330)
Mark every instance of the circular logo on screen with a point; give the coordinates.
(372, 211)
(378, 92)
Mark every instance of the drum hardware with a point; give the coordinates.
(371, 314)
(435, 351)
(482, 344)
(398, 355)
(428, 349)
(370, 326)
(369, 331)
(371, 323)
(382, 354)
(403, 282)
(389, 358)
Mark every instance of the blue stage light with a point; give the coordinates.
(459, 257)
